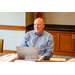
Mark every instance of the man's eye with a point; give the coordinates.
(39, 24)
(34, 24)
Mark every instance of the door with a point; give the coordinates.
(65, 42)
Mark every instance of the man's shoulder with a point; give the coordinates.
(47, 33)
(29, 32)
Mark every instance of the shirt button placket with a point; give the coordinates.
(37, 41)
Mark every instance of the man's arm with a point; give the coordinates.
(50, 47)
(24, 41)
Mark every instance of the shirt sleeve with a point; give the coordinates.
(50, 47)
(25, 39)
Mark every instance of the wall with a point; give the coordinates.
(12, 38)
(12, 18)
(61, 18)
(29, 18)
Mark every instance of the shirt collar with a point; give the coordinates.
(38, 35)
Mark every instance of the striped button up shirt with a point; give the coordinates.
(44, 42)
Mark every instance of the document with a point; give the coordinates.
(57, 59)
(71, 60)
(8, 57)
(23, 61)
(40, 57)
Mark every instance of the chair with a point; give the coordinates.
(1, 45)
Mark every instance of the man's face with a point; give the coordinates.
(38, 26)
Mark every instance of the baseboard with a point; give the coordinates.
(9, 51)
(54, 53)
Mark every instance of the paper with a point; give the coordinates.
(58, 59)
(40, 57)
(23, 61)
(8, 57)
(71, 60)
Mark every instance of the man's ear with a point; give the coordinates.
(43, 25)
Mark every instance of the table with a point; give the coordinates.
(42, 60)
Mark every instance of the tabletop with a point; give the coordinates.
(52, 59)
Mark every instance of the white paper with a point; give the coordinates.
(71, 60)
(40, 57)
(58, 59)
(23, 61)
(8, 57)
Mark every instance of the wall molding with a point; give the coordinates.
(9, 51)
(12, 27)
(54, 53)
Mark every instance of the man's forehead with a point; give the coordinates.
(36, 21)
(39, 20)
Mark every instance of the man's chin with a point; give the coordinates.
(37, 32)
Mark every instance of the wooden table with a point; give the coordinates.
(42, 60)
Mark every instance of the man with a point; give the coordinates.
(39, 38)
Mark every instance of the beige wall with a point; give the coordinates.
(58, 18)
(29, 18)
(12, 38)
(12, 18)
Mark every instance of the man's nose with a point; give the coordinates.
(37, 25)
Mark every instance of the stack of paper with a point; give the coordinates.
(58, 59)
(7, 57)
(40, 57)
(71, 60)
(23, 61)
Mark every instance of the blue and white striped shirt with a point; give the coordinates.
(44, 42)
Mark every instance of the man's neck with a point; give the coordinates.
(39, 33)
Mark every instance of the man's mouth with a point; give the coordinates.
(36, 29)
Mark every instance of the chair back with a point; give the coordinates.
(1, 45)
